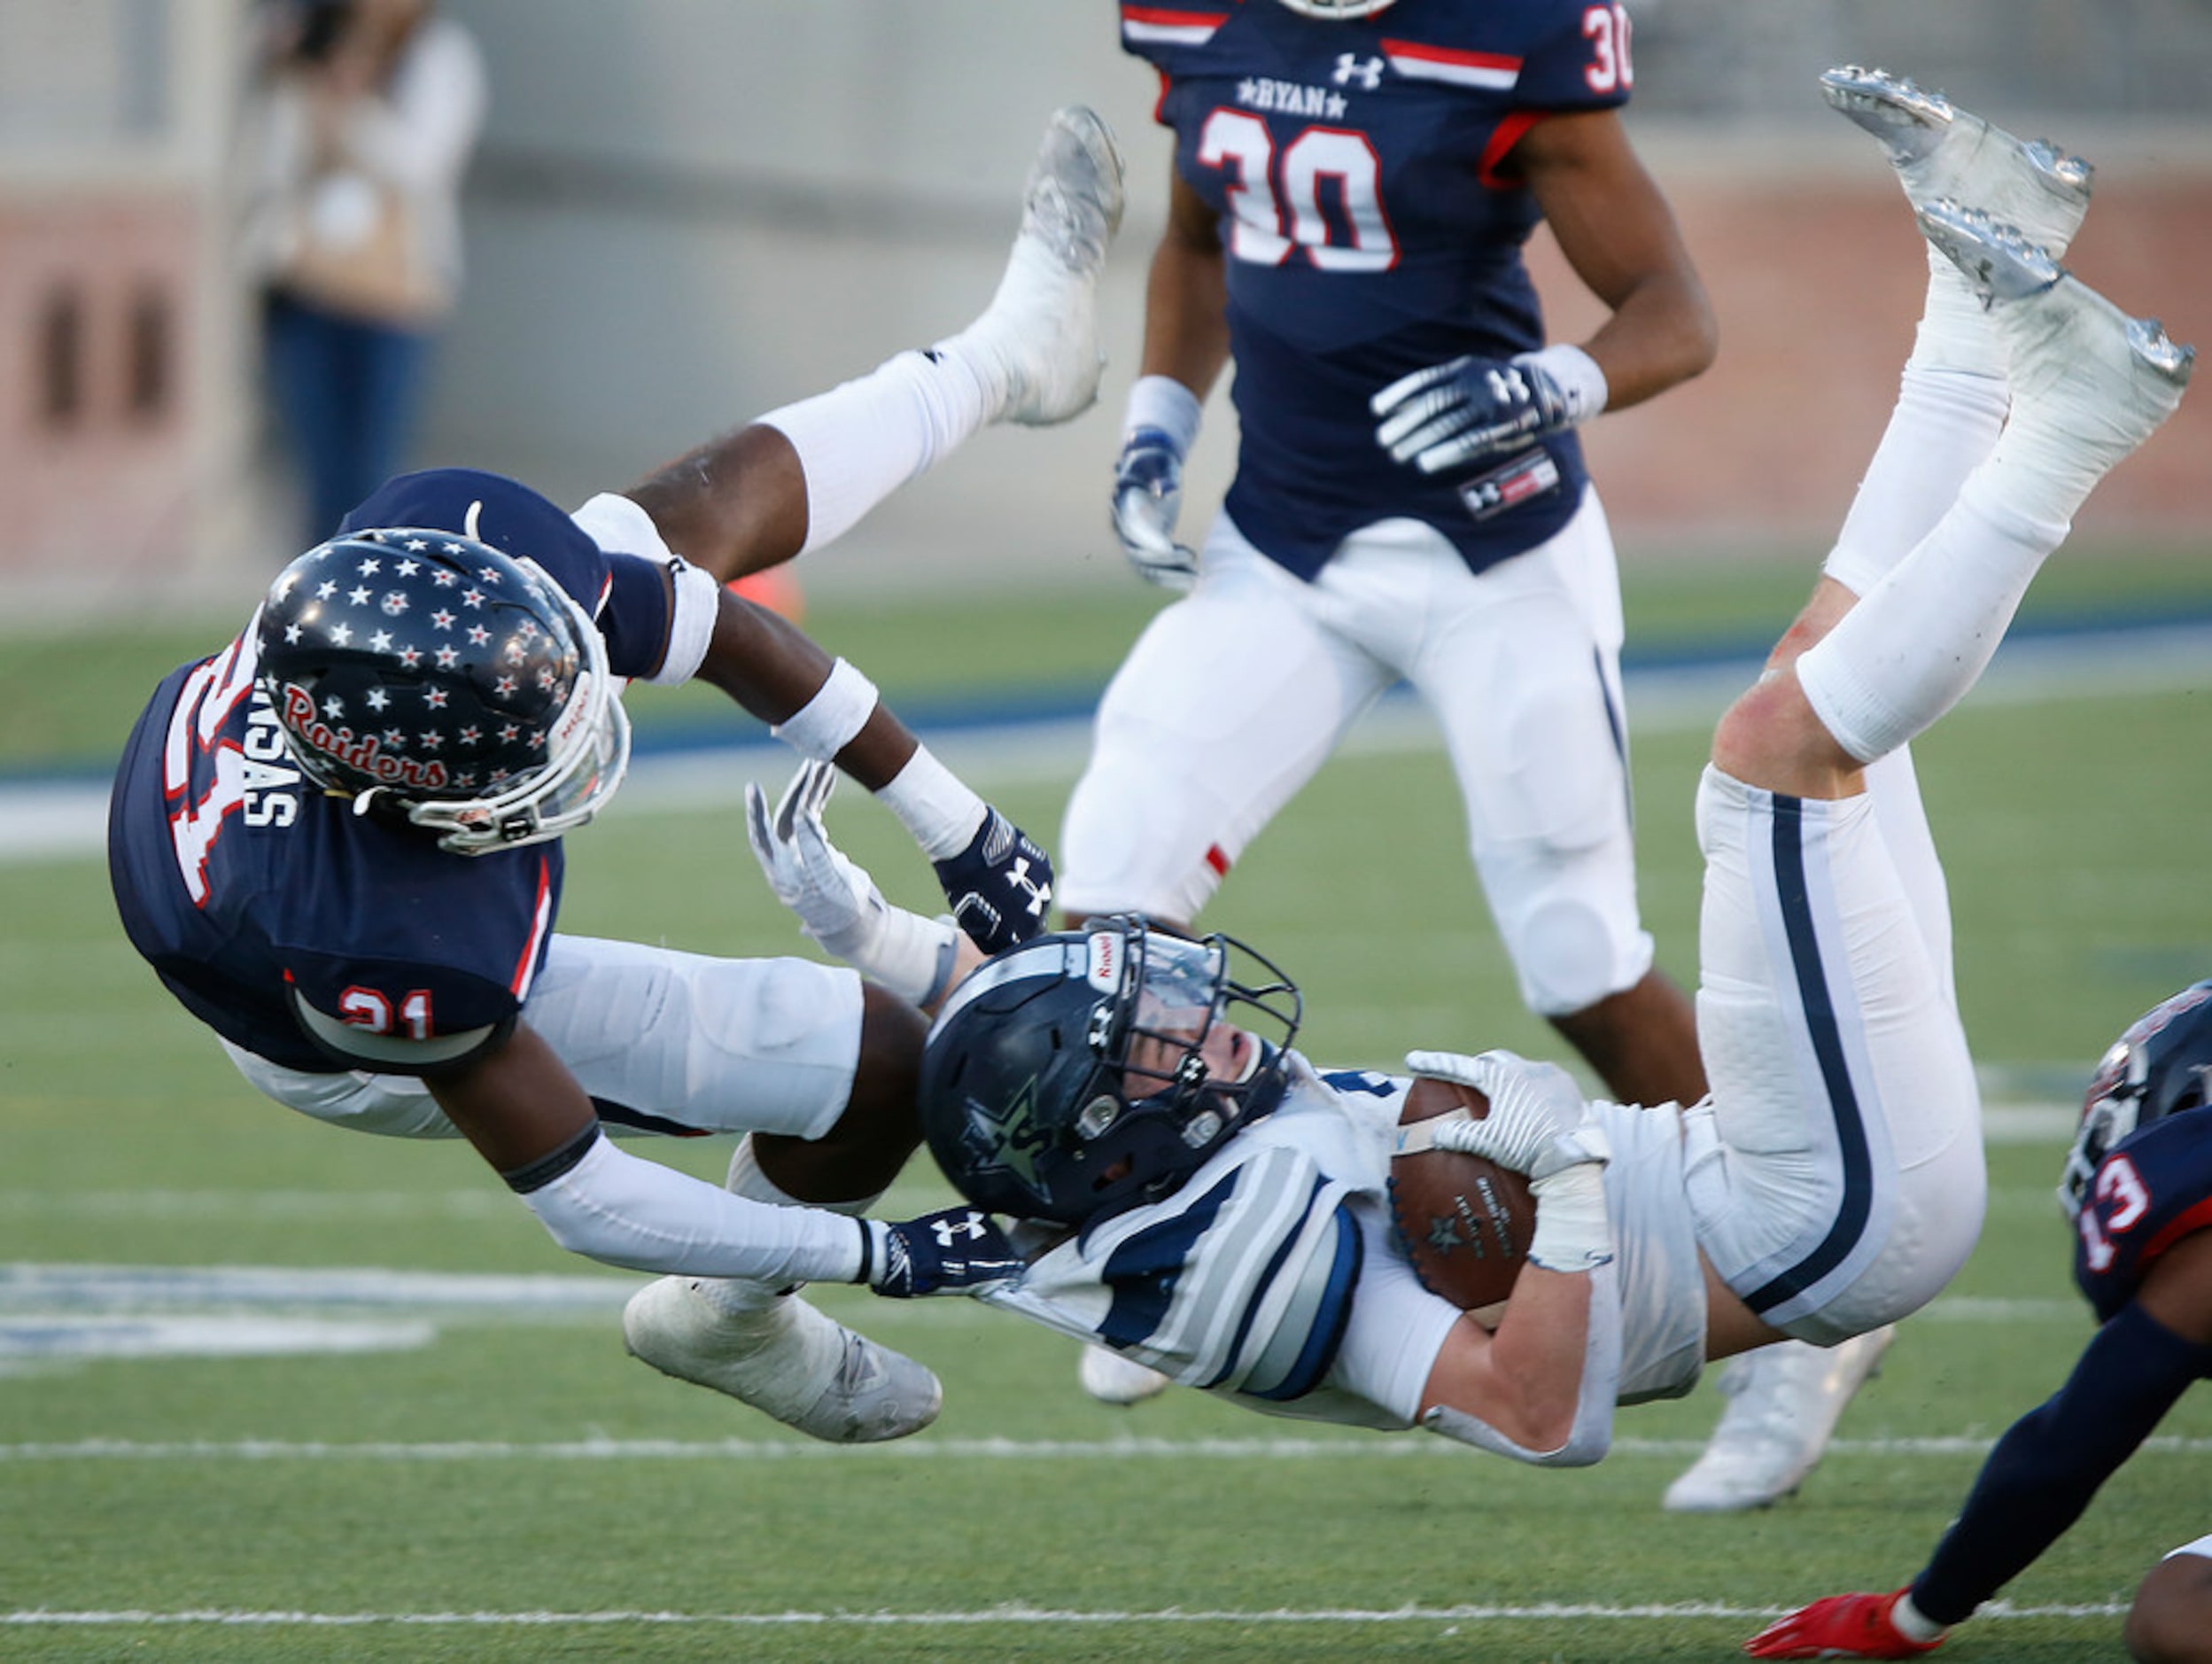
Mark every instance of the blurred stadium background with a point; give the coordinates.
(684, 213)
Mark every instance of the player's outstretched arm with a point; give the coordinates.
(838, 904)
(997, 880)
(2041, 1473)
(517, 1104)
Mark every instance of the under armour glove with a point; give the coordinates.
(1536, 1111)
(837, 902)
(960, 1250)
(999, 886)
(1147, 497)
(1461, 412)
(1538, 1125)
(1842, 1626)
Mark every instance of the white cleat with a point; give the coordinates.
(1783, 1401)
(1113, 1379)
(2090, 383)
(1940, 150)
(1040, 331)
(789, 1361)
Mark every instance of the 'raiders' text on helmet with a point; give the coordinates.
(426, 672)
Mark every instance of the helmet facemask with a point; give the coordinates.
(1085, 1073)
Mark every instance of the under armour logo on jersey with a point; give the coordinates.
(969, 1227)
(1351, 67)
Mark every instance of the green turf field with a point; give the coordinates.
(499, 1481)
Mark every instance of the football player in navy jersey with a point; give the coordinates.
(2138, 1188)
(1351, 189)
(1193, 1194)
(337, 841)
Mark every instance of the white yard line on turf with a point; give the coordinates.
(987, 1617)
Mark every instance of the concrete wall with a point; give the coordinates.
(687, 212)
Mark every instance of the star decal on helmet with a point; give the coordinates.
(1007, 1142)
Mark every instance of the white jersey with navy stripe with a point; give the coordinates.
(1240, 1280)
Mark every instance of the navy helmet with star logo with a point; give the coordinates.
(429, 674)
(1066, 1079)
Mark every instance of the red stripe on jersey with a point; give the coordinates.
(1503, 137)
(1217, 859)
(2186, 1223)
(1168, 17)
(526, 966)
(1415, 52)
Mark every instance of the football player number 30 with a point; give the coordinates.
(1276, 202)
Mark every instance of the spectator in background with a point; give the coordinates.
(363, 115)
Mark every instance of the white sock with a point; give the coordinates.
(735, 1295)
(1912, 1623)
(1923, 635)
(1943, 424)
(864, 438)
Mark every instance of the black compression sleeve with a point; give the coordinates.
(2050, 1462)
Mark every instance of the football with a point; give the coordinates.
(1465, 1221)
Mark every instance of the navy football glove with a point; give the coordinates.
(960, 1250)
(1147, 496)
(998, 886)
(1449, 415)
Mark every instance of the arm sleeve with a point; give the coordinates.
(2050, 1462)
(639, 1214)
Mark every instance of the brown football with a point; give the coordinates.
(1465, 1221)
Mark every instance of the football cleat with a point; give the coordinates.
(1113, 1379)
(2090, 383)
(1783, 1402)
(789, 1361)
(1940, 150)
(1040, 331)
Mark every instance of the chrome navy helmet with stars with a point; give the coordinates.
(1068, 1078)
(2160, 1066)
(425, 673)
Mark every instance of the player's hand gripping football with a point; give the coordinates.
(1842, 1626)
(1536, 1122)
(837, 902)
(960, 1250)
(999, 886)
(1538, 1125)
(1449, 415)
(1147, 497)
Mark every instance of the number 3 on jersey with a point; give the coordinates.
(1276, 204)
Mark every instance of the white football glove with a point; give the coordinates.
(1147, 498)
(1539, 1124)
(838, 904)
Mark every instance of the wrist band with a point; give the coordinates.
(932, 804)
(826, 723)
(1165, 403)
(1575, 373)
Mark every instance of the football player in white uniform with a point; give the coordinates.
(1194, 1193)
